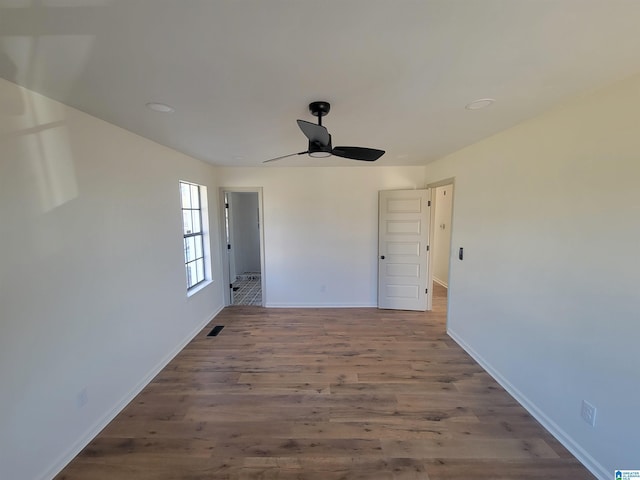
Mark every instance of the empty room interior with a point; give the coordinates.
(318, 240)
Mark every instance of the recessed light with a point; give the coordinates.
(480, 103)
(160, 107)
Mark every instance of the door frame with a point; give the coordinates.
(223, 241)
(433, 185)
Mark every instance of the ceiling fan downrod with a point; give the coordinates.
(319, 109)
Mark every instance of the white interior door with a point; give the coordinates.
(403, 249)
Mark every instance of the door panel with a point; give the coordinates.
(403, 292)
(403, 226)
(400, 205)
(403, 249)
(401, 270)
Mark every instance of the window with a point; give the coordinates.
(194, 235)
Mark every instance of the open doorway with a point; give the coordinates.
(244, 265)
(441, 222)
(442, 234)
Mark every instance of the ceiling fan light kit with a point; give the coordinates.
(320, 140)
(319, 154)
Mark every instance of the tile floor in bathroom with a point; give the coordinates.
(247, 289)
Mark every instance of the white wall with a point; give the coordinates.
(321, 230)
(547, 296)
(92, 281)
(442, 233)
(246, 231)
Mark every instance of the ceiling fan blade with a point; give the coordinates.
(315, 133)
(285, 156)
(358, 153)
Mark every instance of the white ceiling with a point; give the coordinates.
(398, 73)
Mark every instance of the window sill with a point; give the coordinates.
(201, 286)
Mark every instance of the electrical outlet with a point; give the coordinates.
(588, 413)
(82, 398)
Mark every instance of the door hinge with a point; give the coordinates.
(228, 246)
(427, 248)
(429, 203)
(226, 205)
(231, 285)
(426, 290)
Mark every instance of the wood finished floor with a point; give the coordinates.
(324, 394)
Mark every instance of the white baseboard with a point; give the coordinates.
(98, 426)
(569, 443)
(315, 305)
(440, 282)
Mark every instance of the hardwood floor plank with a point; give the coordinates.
(469, 447)
(497, 469)
(324, 394)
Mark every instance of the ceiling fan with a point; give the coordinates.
(320, 140)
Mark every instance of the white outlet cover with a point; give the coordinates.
(588, 413)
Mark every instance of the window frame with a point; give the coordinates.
(194, 237)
